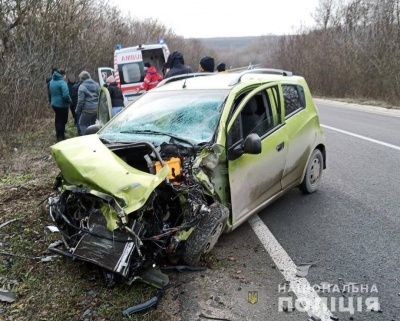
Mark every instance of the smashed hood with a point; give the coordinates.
(86, 162)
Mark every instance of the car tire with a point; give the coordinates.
(206, 234)
(313, 174)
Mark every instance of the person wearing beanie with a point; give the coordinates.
(206, 64)
(117, 99)
(221, 67)
(88, 96)
(60, 101)
(151, 79)
(176, 65)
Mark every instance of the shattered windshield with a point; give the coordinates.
(187, 117)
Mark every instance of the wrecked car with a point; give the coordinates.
(187, 161)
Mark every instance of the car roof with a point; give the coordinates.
(224, 80)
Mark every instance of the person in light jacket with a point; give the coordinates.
(88, 96)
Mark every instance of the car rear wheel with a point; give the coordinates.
(206, 234)
(313, 173)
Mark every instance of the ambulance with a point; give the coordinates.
(129, 67)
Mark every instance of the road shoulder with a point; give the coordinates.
(242, 283)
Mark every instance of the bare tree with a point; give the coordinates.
(326, 13)
(353, 51)
(37, 35)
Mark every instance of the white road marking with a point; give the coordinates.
(362, 137)
(305, 293)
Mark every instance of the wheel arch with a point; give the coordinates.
(322, 148)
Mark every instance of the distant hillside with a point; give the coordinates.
(233, 42)
(237, 52)
(221, 42)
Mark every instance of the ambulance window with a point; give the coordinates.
(131, 72)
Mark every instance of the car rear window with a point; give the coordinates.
(294, 99)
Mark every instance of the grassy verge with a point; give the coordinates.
(48, 286)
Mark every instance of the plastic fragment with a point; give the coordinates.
(7, 296)
(145, 305)
(302, 269)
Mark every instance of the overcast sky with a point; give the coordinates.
(224, 18)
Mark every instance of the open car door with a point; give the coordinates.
(104, 73)
(104, 107)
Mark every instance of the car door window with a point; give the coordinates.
(260, 115)
(294, 99)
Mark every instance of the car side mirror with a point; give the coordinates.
(251, 145)
(93, 129)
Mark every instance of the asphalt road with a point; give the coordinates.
(351, 226)
(349, 229)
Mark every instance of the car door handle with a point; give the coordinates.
(280, 146)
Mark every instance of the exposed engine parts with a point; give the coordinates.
(160, 229)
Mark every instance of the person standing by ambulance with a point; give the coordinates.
(88, 96)
(117, 99)
(151, 79)
(176, 65)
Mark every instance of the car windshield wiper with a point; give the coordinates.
(105, 140)
(155, 132)
(112, 142)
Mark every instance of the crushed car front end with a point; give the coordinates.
(128, 204)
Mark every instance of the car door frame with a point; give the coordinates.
(103, 73)
(270, 140)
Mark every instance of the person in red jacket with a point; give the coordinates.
(151, 79)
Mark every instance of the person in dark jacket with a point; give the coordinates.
(60, 101)
(221, 67)
(117, 99)
(206, 64)
(88, 96)
(73, 86)
(176, 65)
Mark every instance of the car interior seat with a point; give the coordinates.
(250, 118)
